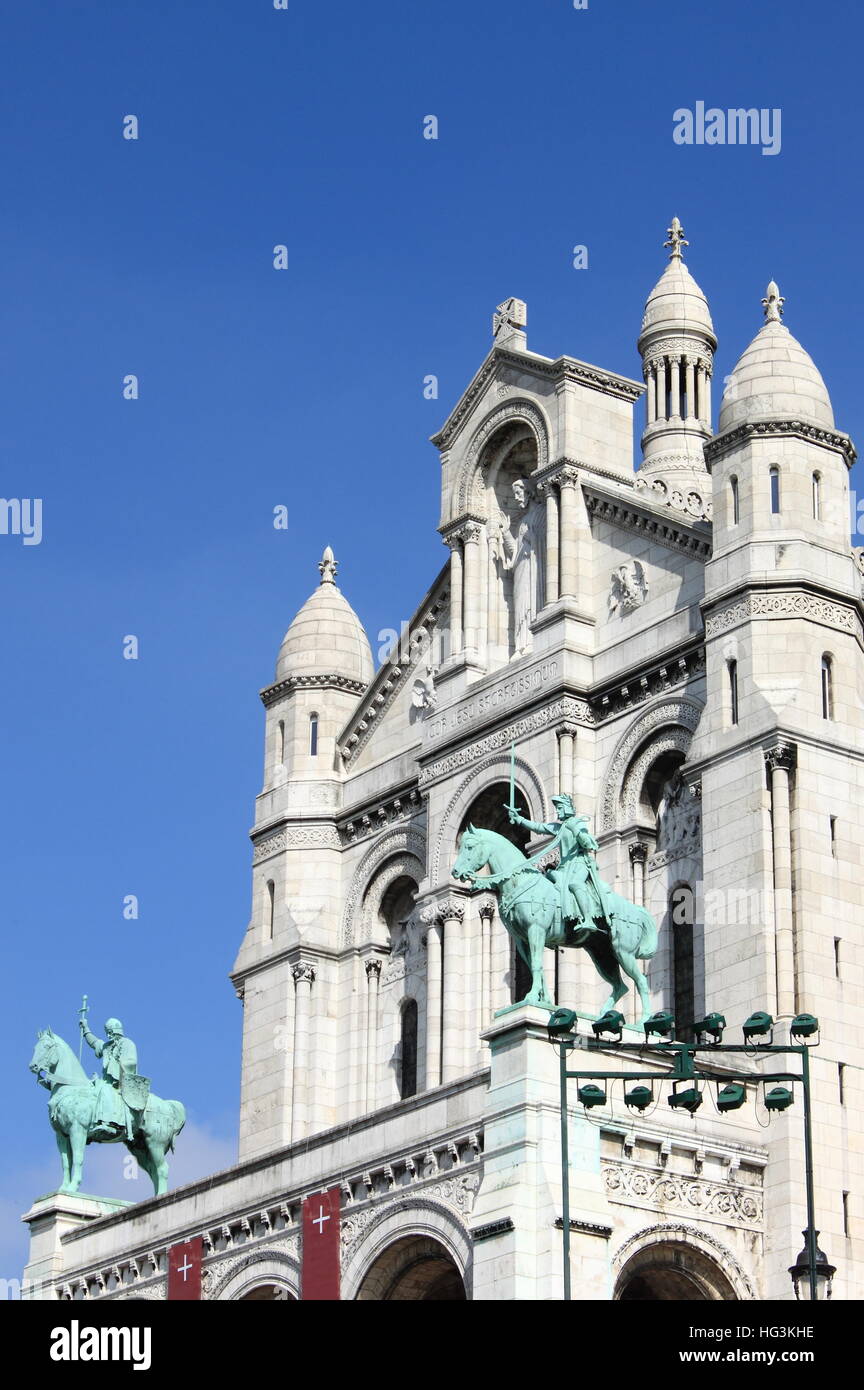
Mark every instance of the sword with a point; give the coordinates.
(512, 806)
(82, 1013)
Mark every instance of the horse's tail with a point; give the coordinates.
(178, 1120)
(648, 939)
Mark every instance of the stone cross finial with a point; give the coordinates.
(509, 318)
(675, 233)
(327, 567)
(773, 304)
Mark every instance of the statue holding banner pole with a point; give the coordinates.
(115, 1107)
(565, 906)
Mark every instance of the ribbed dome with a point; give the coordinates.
(775, 379)
(326, 638)
(676, 304)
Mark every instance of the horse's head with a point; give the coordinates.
(45, 1052)
(472, 855)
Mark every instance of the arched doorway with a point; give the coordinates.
(673, 1271)
(267, 1293)
(414, 1269)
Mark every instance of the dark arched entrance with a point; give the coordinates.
(673, 1271)
(413, 1269)
(489, 812)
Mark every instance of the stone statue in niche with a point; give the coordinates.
(678, 816)
(629, 587)
(517, 552)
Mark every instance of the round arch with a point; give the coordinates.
(467, 491)
(249, 1278)
(401, 866)
(388, 1259)
(494, 769)
(407, 842)
(677, 1262)
(669, 726)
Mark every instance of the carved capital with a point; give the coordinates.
(638, 853)
(783, 755)
(487, 910)
(451, 911)
(373, 968)
(303, 972)
(566, 730)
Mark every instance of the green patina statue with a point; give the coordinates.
(114, 1107)
(569, 905)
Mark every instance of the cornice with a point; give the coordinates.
(271, 693)
(568, 369)
(723, 444)
(639, 515)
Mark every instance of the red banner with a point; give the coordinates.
(320, 1276)
(184, 1269)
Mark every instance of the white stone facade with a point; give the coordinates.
(680, 647)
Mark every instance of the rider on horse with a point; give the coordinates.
(119, 1060)
(581, 890)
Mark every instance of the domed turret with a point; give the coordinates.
(326, 637)
(677, 344)
(775, 379)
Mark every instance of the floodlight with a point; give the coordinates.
(690, 1098)
(663, 1024)
(757, 1025)
(732, 1097)
(804, 1026)
(713, 1025)
(591, 1095)
(610, 1022)
(560, 1022)
(778, 1098)
(639, 1098)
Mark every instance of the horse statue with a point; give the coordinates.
(72, 1110)
(615, 932)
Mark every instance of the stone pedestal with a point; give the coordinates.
(50, 1218)
(517, 1243)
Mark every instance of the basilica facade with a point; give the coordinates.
(675, 642)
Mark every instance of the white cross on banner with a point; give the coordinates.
(184, 1269)
(320, 1275)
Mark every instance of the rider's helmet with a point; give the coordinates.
(114, 1027)
(564, 804)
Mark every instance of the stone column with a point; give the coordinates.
(569, 480)
(780, 761)
(691, 386)
(492, 600)
(552, 540)
(487, 915)
(675, 380)
(566, 735)
(434, 942)
(651, 395)
(483, 637)
(452, 915)
(472, 588)
(373, 977)
(304, 978)
(660, 383)
(456, 639)
(638, 860)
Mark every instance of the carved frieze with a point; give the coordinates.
(633, 1185)
(786, 603)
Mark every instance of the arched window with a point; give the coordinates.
(683, 979)
(733, 692)
(269, 909)
(733, 488)
(817, 496)
(827, 678)
(408, 1051)
(774, 476)
(313, 735)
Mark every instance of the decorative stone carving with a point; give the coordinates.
(688, 1235)
(633, 1185)
(674, 534)
(296, 837)
(782, 604)
(568, 708)
(679, 820)
(783, 755)
(303, 972)
(508, 321)
(394, 844)
(629, 587)
(723, 444)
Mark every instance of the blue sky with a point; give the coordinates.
(303, 387)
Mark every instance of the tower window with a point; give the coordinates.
(837, 941)
(846, 1213)
(269, 909)
(733, 488)
(827, 689)
(733, 692)
(408, 1062)
(774, 477)
(280, 741)
(832, 822)
(817, 496)
(313, 735)
(841, 1089)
